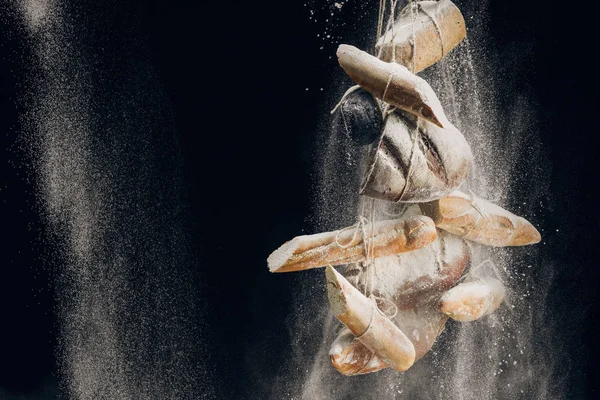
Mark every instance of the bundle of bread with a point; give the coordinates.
(405, 277)
(420, 156)
(418, 291)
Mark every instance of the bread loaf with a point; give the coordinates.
(480, 221)
(471, 300)
(437, 26)
(392, 83)
(359, 116)
(347, 246)
(411, 165)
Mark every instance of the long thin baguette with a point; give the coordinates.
(392, 83)
(480, 221)
(346, 246)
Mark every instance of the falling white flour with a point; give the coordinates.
(106, 167)
(498, 357)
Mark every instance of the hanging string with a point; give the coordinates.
(380, 20)
(369, 236)
(475, 205)
(368, 266)
(473, 200)
(413, 17)
(416, 135)
(366, 220)
(384, 310)
(370, 255)
(392, 19)
(348, 92)
(387, 85)
(474, 269)
(357, 228)
(380, 25)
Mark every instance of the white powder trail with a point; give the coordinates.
(504, 355)
(107, 173)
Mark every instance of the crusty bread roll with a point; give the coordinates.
(438, 28)
(350, 357)
(362, 317)
(346, 246)
(392, 83)
(471, 300)
(480, 221)
(416, 166)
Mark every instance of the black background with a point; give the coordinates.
(235, 75)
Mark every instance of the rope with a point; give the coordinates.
(371, 245)
(388, 26)
(388, 301)
(356, 227)
(472, 270)
(348, 133)
(473, 201)
(398, 214)
(368, 243)
(348, 92)
(360, 226)
(376, 308)
(474, 204)
(413, 17)
(380, 20)
(387, 85)
(369, 219)
(392, 18)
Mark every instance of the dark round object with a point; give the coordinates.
(360, 118)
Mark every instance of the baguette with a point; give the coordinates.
(480, 221)
(346, 246)
(392, 83)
